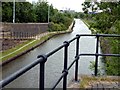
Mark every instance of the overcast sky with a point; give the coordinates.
(63, 4)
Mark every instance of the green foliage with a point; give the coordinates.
(58, 17)
(79, 15)
(24, 12)
(107, 22)
(67, 21)
(7, 11)
(117, 27)
(60, 21)
(27, 12)
(112, 63)
(113, 66)
(42, 12)
(56, 27)
(107, 18)
(92, 67)
(89, 6)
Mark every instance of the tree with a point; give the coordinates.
(42, 11)
(25, 12)
(89, 7)
(106, 19)
(7, 15)
(108, 22)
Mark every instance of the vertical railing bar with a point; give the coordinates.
(77, 53)
(96, 59)
(42, 72)
(42, 64)
(41, 78)
(65, 64)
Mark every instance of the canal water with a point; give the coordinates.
(54, 65)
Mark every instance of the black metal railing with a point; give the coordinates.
(43, 58)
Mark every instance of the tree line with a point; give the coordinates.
(105, 18)
(26, 12)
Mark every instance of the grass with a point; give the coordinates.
(34, 43)
(15, 48)
(94, 30)
(18, 50)
(25, 47)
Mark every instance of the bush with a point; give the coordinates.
(63, 26)
(60, 21)
(54, 27)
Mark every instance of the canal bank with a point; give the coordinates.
(94, 31)
(40, 39)
(102, 62)
(109, 45)
(54, 64)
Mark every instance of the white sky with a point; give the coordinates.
(63, 4)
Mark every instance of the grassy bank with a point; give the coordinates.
(109, 46)
(21, 48)
(87, 22)
(6, 55)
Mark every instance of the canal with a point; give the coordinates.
(54, 65)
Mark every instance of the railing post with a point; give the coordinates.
(96, 59)
(77, 53)
(42, 72)
(65, 65)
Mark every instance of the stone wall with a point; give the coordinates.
(13, 34)
(23, 30)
